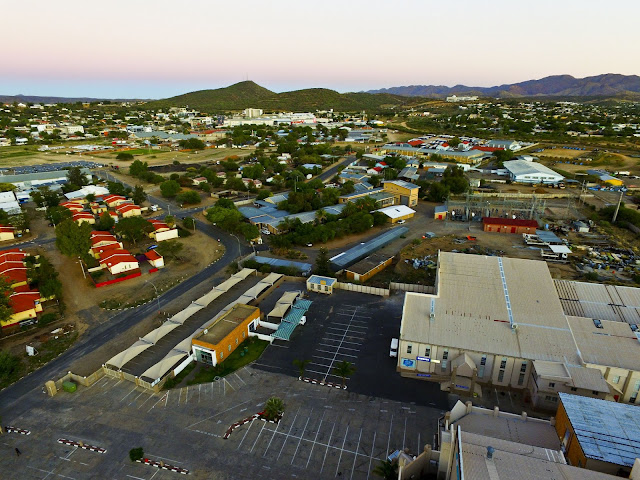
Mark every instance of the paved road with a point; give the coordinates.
(331, 172)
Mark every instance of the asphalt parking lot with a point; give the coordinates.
(357, 328)
(325, 432)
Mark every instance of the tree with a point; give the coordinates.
(7, 187)
(191, 143)
(72, 239)
(136, 454)
(45, 197)
(117, 188)
(45, 278)
(76, 177)
(5, 308)
(344, 369)
(454, 142)
(57, 214)
(273, 408)
(105, 223)
(302, 365)
(249, 231)
(90, 198)
(322, 263)
(133, 229)
(9, 366)
(170, 188)
(189, 223)
(124, 156)
(262, 194)
(503, 156)
(189, 197)
(138, 196)
(387, 470)
(138, 168)
(170, 249)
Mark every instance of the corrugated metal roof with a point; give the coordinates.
(305, 268)
(606, 431)
(358, 252)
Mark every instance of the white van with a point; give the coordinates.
(393, 350)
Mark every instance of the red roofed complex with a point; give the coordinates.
(73, 206)
(162, 231)
(486, 149)
(80, 217)
(25, 304)
(509, 225)
(155, 258)
(118, 261)
(128, 210)
(6, 233)
(114, 200)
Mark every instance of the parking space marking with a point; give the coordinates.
(217, 414)
(389, 440)
(340, 345)
(301, 435)
(134, 388)
(342, 450)
(404, 433)
(114, 386)
(288, 434)
(274, 434)
(315, 440)
(245, 435)
(327, 351)
(264, 424)
(341, 348)
(355, 457)
(243, 382)
(134, 400)
(373, 446)
(341, 341)
(327, 450)
(49, 473)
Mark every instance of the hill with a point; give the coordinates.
(606, 85)
(47, 99)
(251, 95)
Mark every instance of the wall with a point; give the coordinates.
(410, 287)
(370, 273)
(166, 235)
(362, 289)
(116, 280)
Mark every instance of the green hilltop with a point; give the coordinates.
(248, 94)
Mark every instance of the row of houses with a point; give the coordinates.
(25, 302)
(113, 257)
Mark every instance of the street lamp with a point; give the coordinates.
(239, 250)
(156, 290)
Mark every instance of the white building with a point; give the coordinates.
(252, 112)
(531, 172)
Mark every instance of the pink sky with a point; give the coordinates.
(150, 49)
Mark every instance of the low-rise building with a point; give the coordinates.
(397, 213)
(440, 212)
(155, 259)
(126, 210)
(7, 233)
(320, 284)
(522, 171)
(367, 267)
(509, 225)
(220, 338)
(404, 193)
(162, 231)
(113, 201)
(118, 261)
(80, 217)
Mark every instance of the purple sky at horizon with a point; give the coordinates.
(145, 49)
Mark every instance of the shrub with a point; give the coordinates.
(136, 454)
(47, 318)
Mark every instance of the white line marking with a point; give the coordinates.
(373, 445)
(129, 393)
(343, 354)
(342, 450)
(327, 450)
(274, 434)
(264, 424)
(301, 435)
(356, 456)
(404, 433)
(147, 455)
(389, 440)
(133, 401)
(220, 413)
(288, 434)
(243, 382)
(51, 473)
(245, 435)
(336, 354)
(315, 439)
(148, 398)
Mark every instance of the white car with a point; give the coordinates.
(400, 222)
(303, 320)
(393, 349)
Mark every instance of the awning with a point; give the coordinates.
(130, 353)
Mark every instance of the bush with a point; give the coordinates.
(47, 318)
(124, 156)
(136, 454)
(189, 197)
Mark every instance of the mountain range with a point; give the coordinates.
(47, 99)
(606, 85)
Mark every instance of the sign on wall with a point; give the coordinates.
(408, 363)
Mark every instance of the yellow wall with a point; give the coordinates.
(397, 191)
(233, 339)
(370, 273)
(6, 236)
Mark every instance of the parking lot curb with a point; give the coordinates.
(253, 417)
(17, 430)
(164, 466)
(82, 445)
(323, 383)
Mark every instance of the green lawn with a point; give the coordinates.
(235, 361)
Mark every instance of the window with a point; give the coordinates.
(427, 352)
(236, 341)
(229, 347)
(244, 334)
(523, 367)
(633, 397)
(615, 379)
(483, 362)
(550, 398)
(552, 384)
(594, 392)
(444, 365)
(521, 379)
(501, 376)
(221, 355)
(503, 362)
(636, 387)
(574, 389)
(445, 354)
(409, 348)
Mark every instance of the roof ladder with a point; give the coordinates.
(506, 292)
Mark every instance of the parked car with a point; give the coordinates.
(152, 247)
(400, 222)
(393, 349)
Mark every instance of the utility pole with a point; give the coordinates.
(82, 267)
(615, 215)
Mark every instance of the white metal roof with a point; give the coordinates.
(522, 167)
(396, 211)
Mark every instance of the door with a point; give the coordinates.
(513, 229)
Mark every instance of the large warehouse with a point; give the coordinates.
(531, 172)
(500, 322)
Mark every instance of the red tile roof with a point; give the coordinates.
(486, 149)
(112, 198)
(15, 272)
(6, 228)
(511, 222)
(97, 237)
(79, 215)
(23, 301)
(12, 255)
(126, 207)
(415, 143)
(106, 248)
(152, 255)
(158, 225)
(114, 257)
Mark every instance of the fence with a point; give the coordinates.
(362, 289)
(116, 280)
(410, 287)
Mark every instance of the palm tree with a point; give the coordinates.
(301, 364)
(387, 470)
(321, 216)
(344, 369)
(273, 408)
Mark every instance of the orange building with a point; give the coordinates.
(225, 334)
(368, 267)
(509, 225)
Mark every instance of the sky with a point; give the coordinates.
(160, 48)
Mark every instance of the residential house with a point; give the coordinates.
(128, 210)
(155, 259)
(113, 201)
(162, 231)
(118, 261)
(6, 233)
(80, 217)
